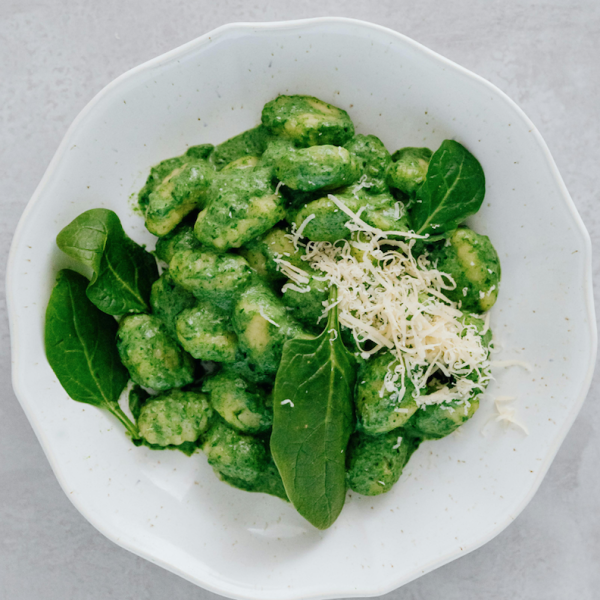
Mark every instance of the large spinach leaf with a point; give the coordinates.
(453, 190)
(123, 271)
(313, 420)
(81, 348)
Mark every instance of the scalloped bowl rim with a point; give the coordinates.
(209, 580)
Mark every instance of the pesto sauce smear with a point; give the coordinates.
(320, 313)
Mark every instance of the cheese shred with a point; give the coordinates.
(388, 298)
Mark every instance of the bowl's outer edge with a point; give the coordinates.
(211, 582)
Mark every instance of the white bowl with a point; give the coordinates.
(457, 493)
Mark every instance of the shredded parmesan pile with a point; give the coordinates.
(390, 299)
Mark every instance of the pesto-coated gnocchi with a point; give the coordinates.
(263, 325)
(307, 302)
(168, 300)
(205, 331)
(242, 205)
(379, 407)
(210, 276)
(382, 211)
(175, 417)
(375, 463)
(181, 238)
(436, 421)
(242, 404)
(178, 194)
(263, 252)
(408, 169)
(152, 357)
(307, 121)
(374, 160)
(321, 312)
(163, 169)
(317, 168)
(473, 263)
(242, 460)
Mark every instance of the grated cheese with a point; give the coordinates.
(296, 274)
(262, 314)
(505, 414)
(390, 299)
(486, 324)
(362, 183)
(297, 234)
(295, 288)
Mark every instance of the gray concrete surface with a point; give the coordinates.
(56, 54)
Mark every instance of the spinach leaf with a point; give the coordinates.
(313, 420)
(123, 271)
(81, 348)
(453, 190)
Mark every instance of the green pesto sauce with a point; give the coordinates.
(242, 205)
(152, 357)
(472, 261)
(224, 216)
(316, 168)
(249, 143)
(181, 238)
(376, 412)
(263, 325)
(168, 300)
(373, 159)
(174, 418)
(242, 460)
(375, 463)
(205, 331)
(242, 404)
(211, 276)
(262, 251)
(307, 121)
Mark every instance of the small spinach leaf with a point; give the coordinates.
(123, 271)
(453, 190)
(81, 348)
(313, 420)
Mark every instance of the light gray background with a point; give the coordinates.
(56, 55)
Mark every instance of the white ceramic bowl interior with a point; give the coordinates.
(456, 493)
